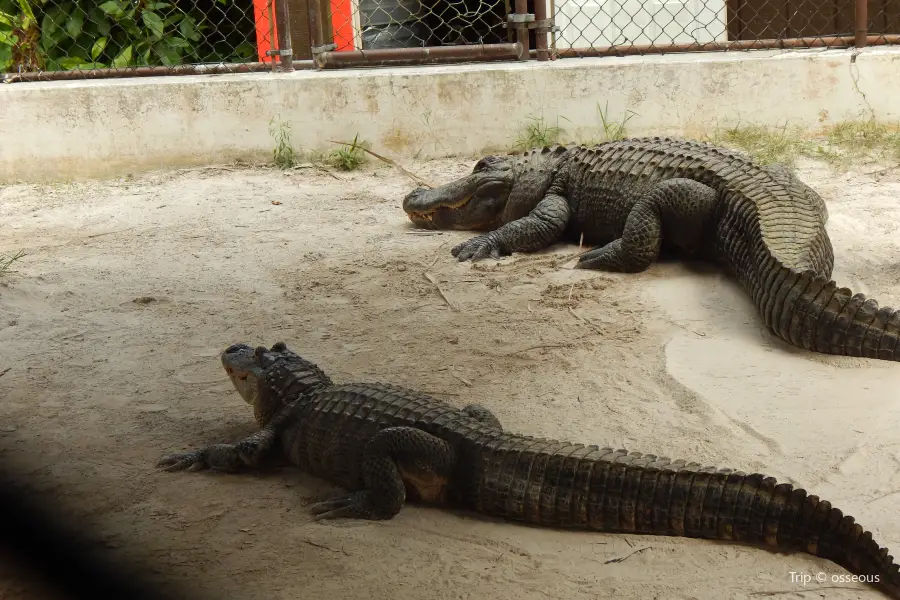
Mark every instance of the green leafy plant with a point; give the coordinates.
(537, 134)
(283, 154)
(81, 34)
(613, 130)
(349, 156)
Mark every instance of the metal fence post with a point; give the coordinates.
(316, 33)
(542, 26)
(520, 20)
(862, 23)
(283, 27)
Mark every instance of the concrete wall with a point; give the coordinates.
(84, 129)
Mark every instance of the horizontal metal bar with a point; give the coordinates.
(438, 54)
(796, 43)
(212, 69)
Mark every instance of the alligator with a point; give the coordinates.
(385, 444)
(635, 198)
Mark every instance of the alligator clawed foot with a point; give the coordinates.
(482, 246)
(355, 505)
(191, 461)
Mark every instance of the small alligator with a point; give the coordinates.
(636, 197)
(384, 444)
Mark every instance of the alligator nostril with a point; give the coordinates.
(235, 348)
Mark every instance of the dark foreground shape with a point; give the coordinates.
(634, 197)
(385, 444)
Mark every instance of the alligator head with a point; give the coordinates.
(474, 202)
(268, 379)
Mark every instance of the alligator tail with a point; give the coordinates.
(814, 313)
(617, 491)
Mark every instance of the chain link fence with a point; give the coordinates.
(125, 35)
(591, 27)
(134, 37)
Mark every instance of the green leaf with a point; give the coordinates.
(123, 58)
(113, 8)
(158, 5)
(189, 30)
(168, 56)
(5, 57)
(8, 38)
(25, 7)
(99, 19)
(177, 42)
(7, 19)
(98, 47)
(52, 32)
(173, 19)
(71, 62)
(154, 23)
(75, 23)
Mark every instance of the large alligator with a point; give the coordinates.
(384, 444)
(633, 197)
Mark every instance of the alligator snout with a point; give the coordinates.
(236, 348)
(412, 197)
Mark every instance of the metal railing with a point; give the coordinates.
(71, 39)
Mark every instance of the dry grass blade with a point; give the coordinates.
(622, 558)
(387, 160)
(434, 282)
(6, 263)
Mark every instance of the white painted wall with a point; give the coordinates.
(82, 129)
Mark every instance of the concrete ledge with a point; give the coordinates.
(89, 129)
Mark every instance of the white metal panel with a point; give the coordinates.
(593, 23)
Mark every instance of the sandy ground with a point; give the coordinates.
(111, 329)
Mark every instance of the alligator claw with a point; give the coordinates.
(482, 246)
(355, 505)
(192, 461)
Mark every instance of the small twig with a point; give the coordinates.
(409, 174)
(566, 258)
(434, 282)
(437, 255)
(327, 172)
(538, 347)
(586, 320)
(439, 393)
(622, 558)
(324, 547)
(880, 171)
(206, 168)
(96, 235)
(5, 371)
(463, 379)
(876, 499)
(75, 335)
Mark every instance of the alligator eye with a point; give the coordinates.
(279, 347)
(260, 350)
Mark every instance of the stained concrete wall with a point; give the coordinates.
(84, 129)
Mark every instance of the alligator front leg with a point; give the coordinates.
(683, 207)
(252, 451)
(482, 414)
(394, 458)
(539, 229)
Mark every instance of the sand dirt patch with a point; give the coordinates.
(131, 288)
